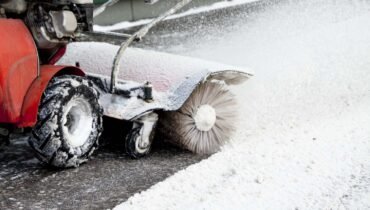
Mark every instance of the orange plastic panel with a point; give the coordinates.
(18, 67)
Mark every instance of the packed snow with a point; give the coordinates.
(158, 67)
(304, 136)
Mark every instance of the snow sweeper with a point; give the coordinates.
(63, 93)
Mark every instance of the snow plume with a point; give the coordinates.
(305, 139)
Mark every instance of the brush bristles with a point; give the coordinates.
(180, 126)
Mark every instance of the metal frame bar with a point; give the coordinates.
(138, 36)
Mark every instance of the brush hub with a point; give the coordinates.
(205, 117)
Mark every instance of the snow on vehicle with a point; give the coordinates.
(209, 112)
(64, 105)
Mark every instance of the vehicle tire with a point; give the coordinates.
(69, 122)
(205, 122)
(132, 146)
(4, 138)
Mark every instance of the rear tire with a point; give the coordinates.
(205, 122)
(69, 122)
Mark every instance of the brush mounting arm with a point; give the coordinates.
(138, 36)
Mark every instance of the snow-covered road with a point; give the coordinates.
(304, 135)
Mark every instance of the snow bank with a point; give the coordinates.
(305, 139)
(215, 6)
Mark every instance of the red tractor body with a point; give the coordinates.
(22, 79)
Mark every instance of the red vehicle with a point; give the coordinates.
(36, 93)
(61, 103)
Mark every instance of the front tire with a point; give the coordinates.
(69, 122)
(133, 139)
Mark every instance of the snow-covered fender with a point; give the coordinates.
(173, 77)
(33, 97)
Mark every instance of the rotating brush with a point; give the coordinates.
(206, 120)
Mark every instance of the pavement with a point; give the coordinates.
(108, 179)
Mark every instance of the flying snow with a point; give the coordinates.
(304, 138)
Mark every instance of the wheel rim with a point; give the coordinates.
(77, 122)
(139, 147)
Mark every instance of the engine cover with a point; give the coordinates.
(65, 23)
(55, 24)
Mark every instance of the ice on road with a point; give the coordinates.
(304, 134)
